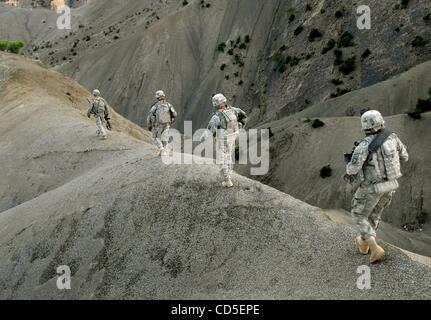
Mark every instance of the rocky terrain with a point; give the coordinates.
(130, 226)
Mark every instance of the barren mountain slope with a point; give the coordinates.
(298, 151)
(131, 48)
(129, 226)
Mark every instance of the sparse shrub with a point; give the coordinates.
(322, 11)
(247, 39)
(404, 3)
(397, 29)
(291, 18)
(308, 56)
(227, 77)
(236, 74)
(427, 18)
(277, 57)
(242, 46)
(423, 105)
(298, 30)
(314, 34)
(340, 92)
(317, 123)
(419, 42)
(346, 40)
(185, 2)
(221, 47)
(348, 66)
(283, 48)
(415, 115)
(308, 7)
(288, 59)
(337, 82)
(338, 57)
(329, 46)
(282, 68)
(294, 61)
(339, 14)
(230, 52)
(326, 172)
(223, 66)
(366, 54)
(271, 134)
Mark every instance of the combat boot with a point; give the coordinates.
(362, 245)
(227, 183)
(377, 251)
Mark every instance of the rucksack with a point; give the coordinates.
(228, 119)
(99, 108)
(163, 113)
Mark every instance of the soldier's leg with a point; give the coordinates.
(100, 127)
(363, 204)
(156, 137)
(164, 136)
(230, 154)
(376, 214)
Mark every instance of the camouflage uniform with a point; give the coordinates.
(159, 130)
(225, 141)
(378, 174)
(99, 108)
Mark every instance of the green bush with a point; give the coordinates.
(340, 92)
(298, 30)
(346, 40)
(337, 82)
(338, 57)
(221, 47)
(329, 46)
(314, 34)
(404, 3)
(339, 14)
(419, 42)
(277, 57)
(294, 61)
(348, 66)
(11, 46)
(366, 54)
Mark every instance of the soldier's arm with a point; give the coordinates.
(174, 113)
(90, 108)
(214, 124)
(150, 117)
(359, 157)
(402, 151)
(106, 108)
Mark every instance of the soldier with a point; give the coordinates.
(376, 163)
(225, 125)
(162, 115)
(99, 108)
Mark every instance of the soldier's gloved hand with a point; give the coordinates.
(349, 178)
